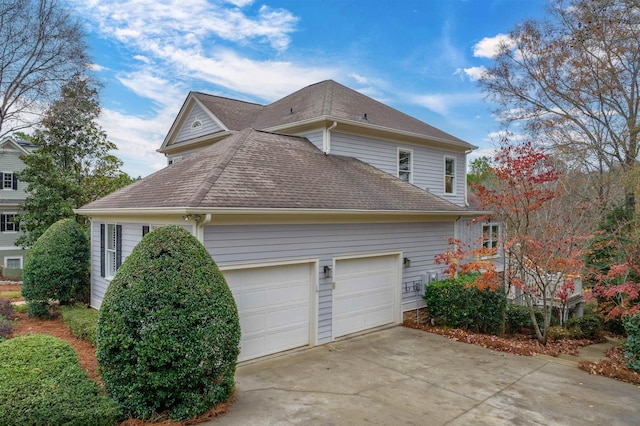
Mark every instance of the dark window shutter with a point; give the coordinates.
(145, 230)
(102, 250)
(15, 182)
(1, 180)
(118, 246)
(3, 222)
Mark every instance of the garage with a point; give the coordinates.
(366, 293)
(274, 304)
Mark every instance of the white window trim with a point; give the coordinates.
(3, 187)
(497, 237)
(11, 258)
(16, 224)
(110, 253)
(410, 151)
(455, 175)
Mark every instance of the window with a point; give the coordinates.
(405, 165)
(8, 181)
(490, 235)
(111, 249)
(13, 262)
(9, 222)
(449, 175)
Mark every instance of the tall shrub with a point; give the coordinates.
(168, 330)
(57, 267)
(632, 344)
(459, 303)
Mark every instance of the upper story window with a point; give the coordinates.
(449, 175)
(9, 181)
(405, 165)
(490, 235)
(9, 222)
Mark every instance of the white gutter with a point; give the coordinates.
(327, 138)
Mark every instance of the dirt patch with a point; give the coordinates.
(10, 291)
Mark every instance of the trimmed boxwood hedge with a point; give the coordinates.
(168, 329)
(42, 383)
(458, 303)
(57, 267)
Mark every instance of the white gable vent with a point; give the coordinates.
(196, 124)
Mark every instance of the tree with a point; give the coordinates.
(168, 332)
(72, 164)
(543, 227)
(479, 170)
(56, 268)
(574, 80)
(42, 47)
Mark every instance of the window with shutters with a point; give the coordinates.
(8, 181)
(110, 250)
(9, 222)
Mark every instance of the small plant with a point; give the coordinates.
(43, 384)
(168, 330)
(82, 321)
(586, 327)
(6, 328)
(632, 344)
(557, 332)
(56, 267)
(7, 310)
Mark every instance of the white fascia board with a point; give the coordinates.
(327, 118)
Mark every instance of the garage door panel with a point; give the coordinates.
(365, 293)
(274, 307)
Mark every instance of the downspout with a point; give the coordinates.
(200, 227)
(327, 142)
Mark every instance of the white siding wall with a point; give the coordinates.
(428, 163)
(316, 138)
(208, 125)
(261, 243)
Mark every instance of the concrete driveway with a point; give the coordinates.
(401, 376)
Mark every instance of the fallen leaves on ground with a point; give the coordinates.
(614, 367)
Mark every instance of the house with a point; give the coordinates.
(324, 210)
(12, 194)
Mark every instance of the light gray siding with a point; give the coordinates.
(316, 138)
(10, 201)
(208, 126)
(262, 243)
(428, 163)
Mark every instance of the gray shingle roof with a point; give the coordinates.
(262, 170)
(236, 115)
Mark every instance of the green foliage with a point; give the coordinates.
(82, 321)
(518, 317)
(632, 344)
(72, 164)
(43, 384)
(586, 327)
(168, 329)
(56, 268)
(458, 303)
(480, 171)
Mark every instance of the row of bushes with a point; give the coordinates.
(458, 303)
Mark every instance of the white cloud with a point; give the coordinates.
(357, 77)
(475, 73)
(489, 47)
(444, 103)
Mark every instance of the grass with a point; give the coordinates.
(10, 294)
(82, 321)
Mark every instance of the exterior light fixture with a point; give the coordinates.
(327, 271)
(406, 262)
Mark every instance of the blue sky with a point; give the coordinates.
(418, 56)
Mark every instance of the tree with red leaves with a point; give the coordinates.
(544, 228)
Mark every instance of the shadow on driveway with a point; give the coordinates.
(402, 376)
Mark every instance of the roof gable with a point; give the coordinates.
(262, 170)
(11, 144)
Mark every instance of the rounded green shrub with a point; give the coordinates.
(586, 327)
(168, 329)
(56, 268)
(43, 384)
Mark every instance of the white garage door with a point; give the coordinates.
(365, 293)
(274, 307)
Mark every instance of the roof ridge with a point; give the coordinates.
(327, 102)
(206, 184)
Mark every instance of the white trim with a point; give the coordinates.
(13, 257)
(455, 175)
(407, 150)
(397, 302)
(313, 290)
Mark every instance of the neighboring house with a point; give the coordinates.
(324, 210)
(12, 194)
